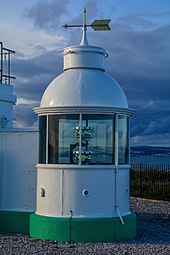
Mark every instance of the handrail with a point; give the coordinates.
(5, 64)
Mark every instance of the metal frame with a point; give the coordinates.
(5, 64)
(115, 161)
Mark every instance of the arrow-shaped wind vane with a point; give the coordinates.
(102, 24)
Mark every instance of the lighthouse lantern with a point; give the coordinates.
(83, 169)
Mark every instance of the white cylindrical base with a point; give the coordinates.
(87, 191)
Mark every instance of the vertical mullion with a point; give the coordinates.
(116, 141)
(47, 140)
(80, 138)
(128, 140)
(113, 139)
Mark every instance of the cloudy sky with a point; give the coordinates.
(138, 46)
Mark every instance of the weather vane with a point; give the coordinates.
(102, 24)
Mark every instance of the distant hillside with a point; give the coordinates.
(149, 151)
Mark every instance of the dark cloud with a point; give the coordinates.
(157, 127)
(32, 89)
(24, 115)
(138, 59)
(47, 15)
(133, 22)
(140, 63)
(47, 63)
(143, 120)
(33, 76)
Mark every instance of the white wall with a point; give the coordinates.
(7, 99)
(64, 185)
(18, 157)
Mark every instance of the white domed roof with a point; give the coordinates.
(84, 87)
(83, 83)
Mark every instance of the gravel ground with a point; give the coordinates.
(153, 237)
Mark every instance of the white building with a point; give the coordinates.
(83, 170)
(18, 157)
(82, 173)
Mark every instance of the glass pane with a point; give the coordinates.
(97, 139)
(63, 139)
(42, 140)
(68, 139)
(96, 135)
(53, 139)
(123, 151)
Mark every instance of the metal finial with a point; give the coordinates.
(84, 26)
(84, 40)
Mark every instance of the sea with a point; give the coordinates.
(150, 159)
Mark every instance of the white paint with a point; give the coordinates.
(18, 157)
(84, 57)
(82, 109)
(84, 87)
(7, 100)
(64, 188)
(84, 82)
(89, 190)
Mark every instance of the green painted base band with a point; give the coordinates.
(83, 229)
(14, 222)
